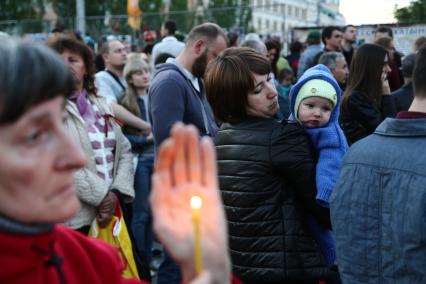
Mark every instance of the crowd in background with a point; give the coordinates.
(318, 151)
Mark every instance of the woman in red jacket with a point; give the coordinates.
(38, 159)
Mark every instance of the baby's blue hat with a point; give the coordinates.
(320, 72)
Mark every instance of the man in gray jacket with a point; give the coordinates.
(177, 90)
(177, 94)
(378, 207)
(307, 58)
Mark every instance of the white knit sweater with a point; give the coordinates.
(92, 189)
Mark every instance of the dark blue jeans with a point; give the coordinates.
(142, 218)
(169, 271)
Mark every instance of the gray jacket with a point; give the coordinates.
(173, 97)
(378, 207)
(307, 58)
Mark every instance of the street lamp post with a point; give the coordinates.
(81, 17)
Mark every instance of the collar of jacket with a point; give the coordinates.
(9, 225)
(402, 127)
(71, 107)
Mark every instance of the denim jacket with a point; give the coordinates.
(378, 207)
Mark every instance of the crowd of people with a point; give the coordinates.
(308, 166)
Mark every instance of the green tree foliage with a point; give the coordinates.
(13, 14)
(31, 9)
(414, 13)
(230, 14)
(226, 13)
(153, 13)
(28, 15)
(14, 9)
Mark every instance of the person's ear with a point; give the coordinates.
(105, 56)
(199, 47)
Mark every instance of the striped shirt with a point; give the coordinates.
(102, 138)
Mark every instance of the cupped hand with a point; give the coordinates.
(106, 210)
(186, 167)
(104, 219)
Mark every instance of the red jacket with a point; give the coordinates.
(59, 256)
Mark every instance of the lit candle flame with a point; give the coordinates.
(196, 202)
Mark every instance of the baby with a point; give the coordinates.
(315, 103)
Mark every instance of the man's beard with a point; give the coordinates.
(200, 64)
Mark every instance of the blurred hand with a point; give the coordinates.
(185, 167)
(144, 127)
(203, 278)
(130, 119)
(385, 85)
(150, 137)
(106, 209)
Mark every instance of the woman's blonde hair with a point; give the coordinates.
(135, 63)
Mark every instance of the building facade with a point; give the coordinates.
(279, 17)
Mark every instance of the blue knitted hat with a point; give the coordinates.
(317, 72)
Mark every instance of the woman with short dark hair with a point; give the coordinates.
(367, 100)
(236, 81)
(266, 174)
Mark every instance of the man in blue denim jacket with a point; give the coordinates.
(378, 207)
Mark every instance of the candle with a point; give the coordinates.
(196, 204)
